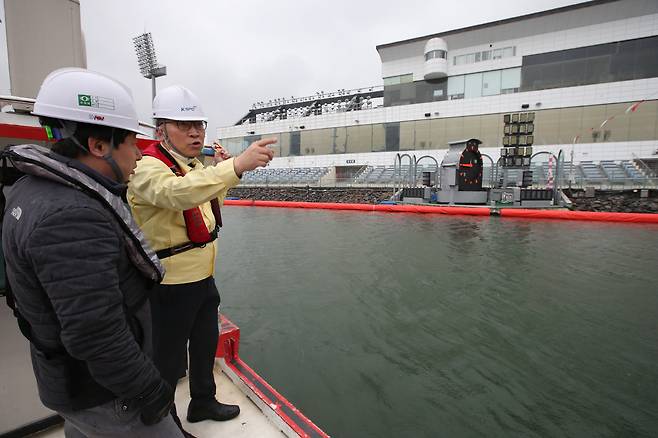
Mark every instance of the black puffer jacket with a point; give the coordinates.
(73, 281)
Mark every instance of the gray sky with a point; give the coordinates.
(233, 54)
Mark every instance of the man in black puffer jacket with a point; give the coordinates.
(78, 266)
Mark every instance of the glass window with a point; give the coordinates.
(509, 52)
(323, 141)
(456, 85)
(441, 54)
(646, 59)
(643, 121)
(623, 61)
(596, 64)
(454, 129)
(573, 72)
(339, 140)
(233, 145)
(378, 137)
(472, 127)
(354, 140)
(295, 143)
(597, 70)
(438, 139)
(491, 130)
(284, 144)
(395, 80)
(392, 136)
(486, 55)
(473, 85)
(491, 83)
(497, 53)
(510, 78)
(423, 139)
(569, 124)
(407, 136)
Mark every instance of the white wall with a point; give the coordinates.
(5, 82)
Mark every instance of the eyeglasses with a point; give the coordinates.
(186, 125)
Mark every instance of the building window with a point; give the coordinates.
(602, 63)
(456, 87)
(485, 55)
(473, 85)
(396, 80)
(441, 54)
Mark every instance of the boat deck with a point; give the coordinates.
(250, 423)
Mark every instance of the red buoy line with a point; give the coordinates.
(646, 218)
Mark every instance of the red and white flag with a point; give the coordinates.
(633, 108)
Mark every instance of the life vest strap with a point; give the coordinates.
(196, 228)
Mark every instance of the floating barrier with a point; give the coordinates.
(638, 218)
(645, 218)
(392, 208)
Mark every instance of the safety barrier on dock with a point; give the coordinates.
(471, 211)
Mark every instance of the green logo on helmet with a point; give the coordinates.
(84, 100)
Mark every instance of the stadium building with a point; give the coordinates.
(582, 79)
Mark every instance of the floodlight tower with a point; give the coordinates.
(148, 63)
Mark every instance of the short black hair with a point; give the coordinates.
(83, 131)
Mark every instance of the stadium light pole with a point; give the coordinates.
(148, 62)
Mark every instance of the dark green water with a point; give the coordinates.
(398, 325)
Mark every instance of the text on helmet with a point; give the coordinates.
(96, 101)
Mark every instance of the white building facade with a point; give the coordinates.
(582, 79)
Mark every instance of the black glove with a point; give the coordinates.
(156, 403)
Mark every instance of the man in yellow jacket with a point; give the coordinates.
(175, 200)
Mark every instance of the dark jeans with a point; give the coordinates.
(182, 313)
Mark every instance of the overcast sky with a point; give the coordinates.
(233, 54)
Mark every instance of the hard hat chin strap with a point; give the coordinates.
(112, 162)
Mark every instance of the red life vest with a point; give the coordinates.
(197, 231)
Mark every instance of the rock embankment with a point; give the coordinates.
(620, 201)
(314, 194)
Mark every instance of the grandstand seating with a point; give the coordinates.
(285, 176)
(593, 173)
(605, 173)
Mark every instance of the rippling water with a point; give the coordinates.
(398, 325)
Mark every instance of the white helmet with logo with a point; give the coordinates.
(177, 103)
(84, 96)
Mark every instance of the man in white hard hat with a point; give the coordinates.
(176, 202)
(79, 269)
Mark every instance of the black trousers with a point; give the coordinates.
(182, 313)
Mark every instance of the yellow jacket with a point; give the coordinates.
(157, 198)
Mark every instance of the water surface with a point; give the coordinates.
(401, 325)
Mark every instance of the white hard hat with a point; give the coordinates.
(177, 103)
(85, 96)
